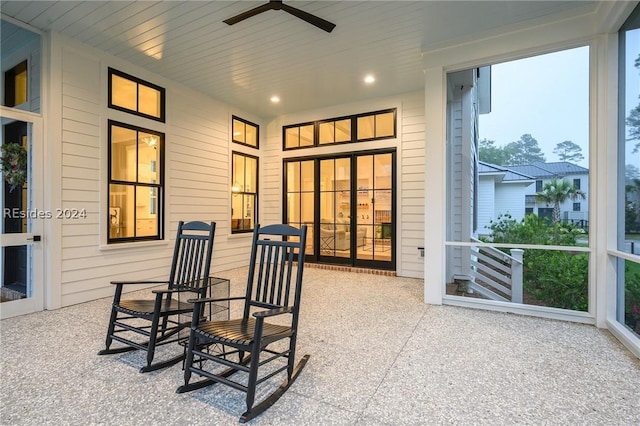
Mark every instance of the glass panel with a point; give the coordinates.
(148, 158)
(306, 135)
(149, 101)
(293, 176)
(630, 157)
(251, 135)
(383, 171)
(343, 130)
(238, 131)
(146, 224)
(294, 207)
(307, 172)
(249, 211)
(307, 207)
(550, 278)
(121, 211)
(251, 175)
(16, 260)
(123, 154)
(631, 304)
(237, 212)
(384, 125)
(326, 133)
(291, 137)
(123, 92)
(238, 178)
(366, 127)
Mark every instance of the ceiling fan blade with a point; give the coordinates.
(312, 19)
(250, 13)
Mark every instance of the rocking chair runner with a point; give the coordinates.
(189, 273)
(268, 288)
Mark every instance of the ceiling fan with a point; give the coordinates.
(278, 5)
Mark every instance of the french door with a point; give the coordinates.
(347, 202)
(21, 251)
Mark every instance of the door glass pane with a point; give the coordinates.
(300, 198)
(15, 266)
(374, 222)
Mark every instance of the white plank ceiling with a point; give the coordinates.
(275, 53)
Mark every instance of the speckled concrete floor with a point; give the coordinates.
(379, 356)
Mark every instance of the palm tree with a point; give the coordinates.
(557, 192)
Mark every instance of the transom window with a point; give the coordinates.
(356, 128)
(136, 157)
(136, 96)
(245, 132)
(244, 192)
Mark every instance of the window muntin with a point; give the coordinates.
(245, 132)
(244, 192)
(136, 96)
(15, 85)
(370, 126)
(135, 183)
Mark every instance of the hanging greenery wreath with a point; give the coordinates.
(14, 165)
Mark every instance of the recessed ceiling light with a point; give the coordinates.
(369, 78)
(275, 99)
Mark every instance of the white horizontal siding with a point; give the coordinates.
(197, 175)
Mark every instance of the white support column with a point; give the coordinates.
(435, 185)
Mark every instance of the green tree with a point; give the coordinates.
(633, 120)
(631, 172)
(524, 151)
(557, 192)
(490, 153)
(568, 151)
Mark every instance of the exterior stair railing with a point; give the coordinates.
(495, 274)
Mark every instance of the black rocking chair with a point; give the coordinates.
(189, 274)
(269, 290)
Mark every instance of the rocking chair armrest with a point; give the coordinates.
(214, 299)
(273, 312)
(172, 290)
(138, 282)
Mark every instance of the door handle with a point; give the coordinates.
(35, 238)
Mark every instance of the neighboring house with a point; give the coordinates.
(573, 211)
(501, 190)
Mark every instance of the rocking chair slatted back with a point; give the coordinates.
(190, 267)
(271, 268)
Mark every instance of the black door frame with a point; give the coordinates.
(352, 260)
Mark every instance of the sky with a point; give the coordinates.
(546, 96)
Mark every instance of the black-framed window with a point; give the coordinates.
(576, 207)
(244, 192)
(354, 128)
(576, 183)
(136, 183)
(136, 96)
(245, 132)
(538, 186)
(15, 85)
